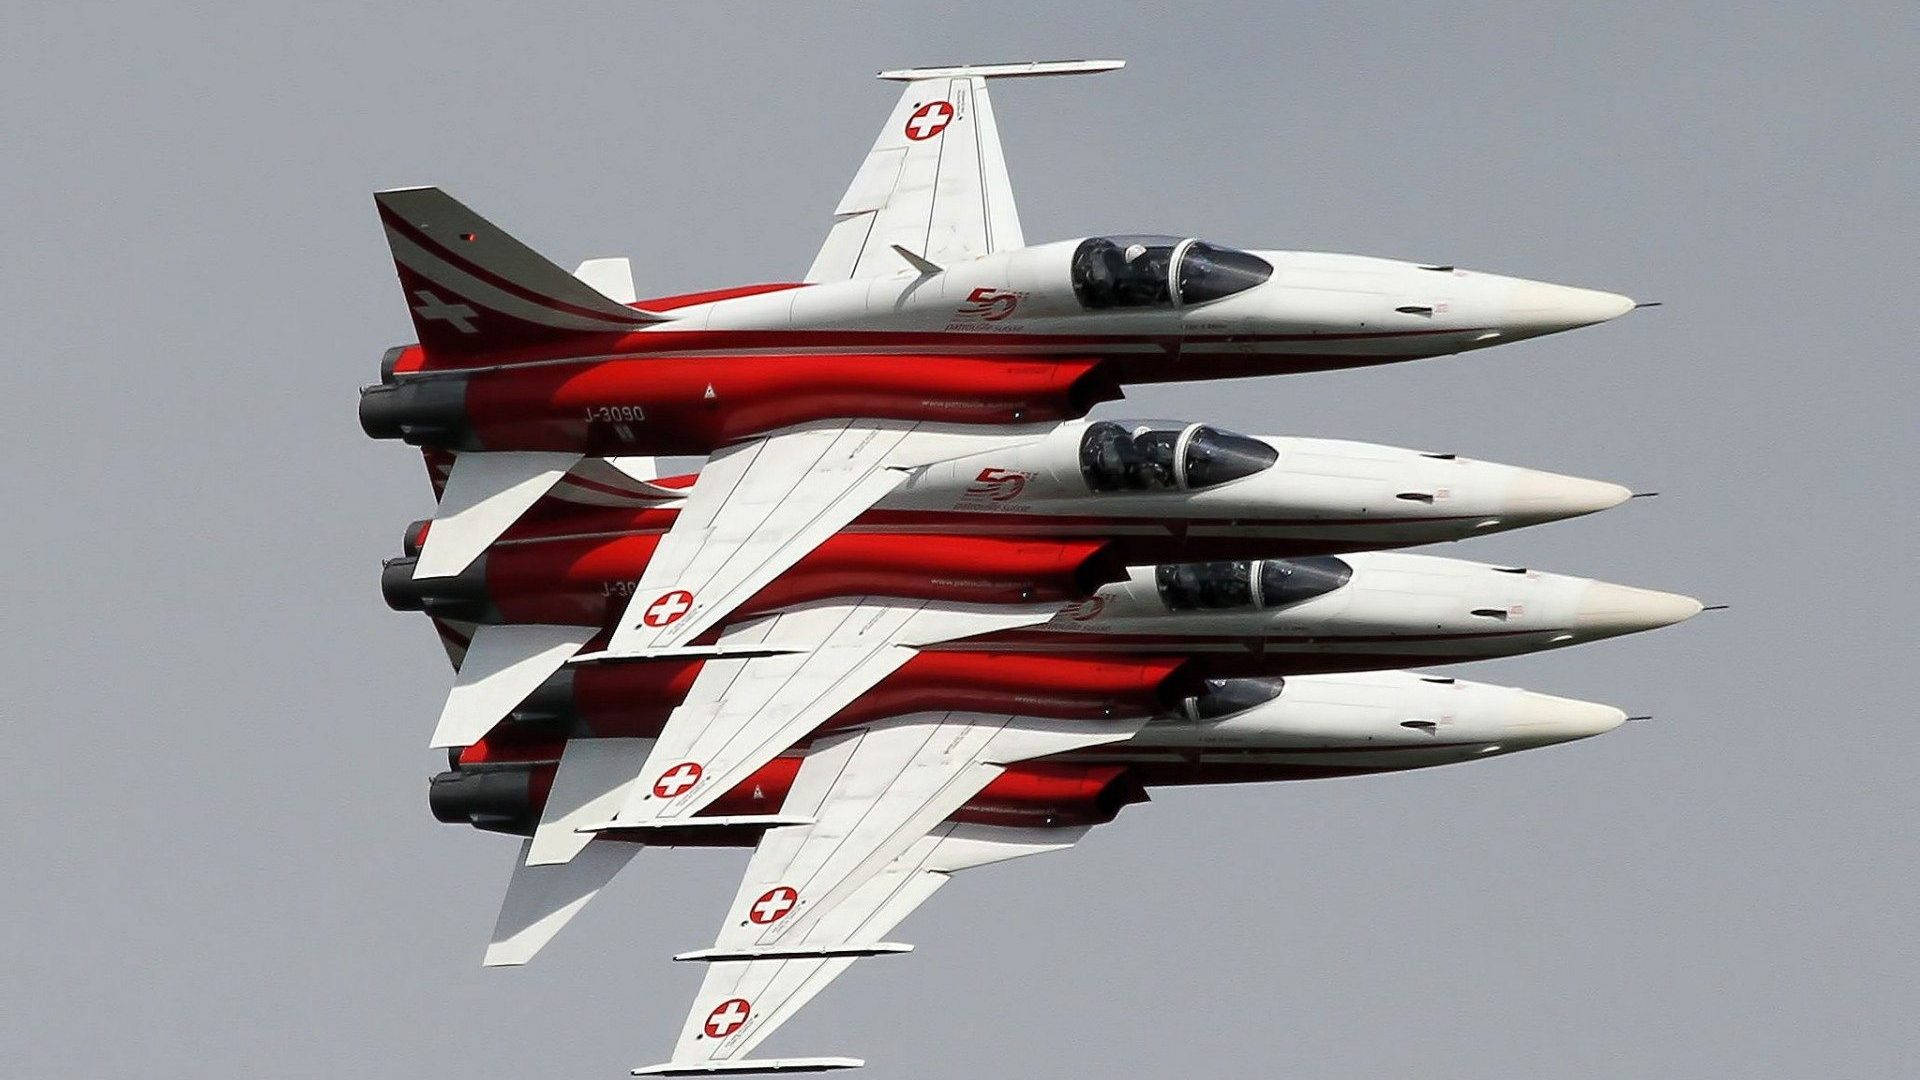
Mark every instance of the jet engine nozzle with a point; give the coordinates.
(463, 596)
(424, 412)
(498, 800)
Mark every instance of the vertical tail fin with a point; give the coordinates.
(472, 288)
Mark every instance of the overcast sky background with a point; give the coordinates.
(220, 856)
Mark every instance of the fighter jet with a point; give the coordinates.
(1159, 491)
(916, 613)
(859, 857)
(925, 309)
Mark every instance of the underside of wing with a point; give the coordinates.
(935, 183)
(540, 900)
(760, 506)
(741, 714)
(818, 896)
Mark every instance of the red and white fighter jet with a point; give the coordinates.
(929, 350)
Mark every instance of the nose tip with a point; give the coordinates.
(1607, 609)
(1544, 496)
(1541, 719)
(1536, 307)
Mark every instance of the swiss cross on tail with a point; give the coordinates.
(472, 288)
(929, 120)
(458, 316)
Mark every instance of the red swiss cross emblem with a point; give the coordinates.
(773, 905)
(678, 780)
(667, 608)
(929, 120)
(727, 1017)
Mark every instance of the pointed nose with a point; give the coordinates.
(1535, 497)
(1536, 307)
(1542, 719)
(1607, 610)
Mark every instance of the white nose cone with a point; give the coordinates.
(1536, 497)
(1536, 307)
(1541, 720)
(1607, 610)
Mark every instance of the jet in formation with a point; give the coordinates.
(917, 612)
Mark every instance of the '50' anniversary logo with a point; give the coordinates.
(988, 304)
(999, 485)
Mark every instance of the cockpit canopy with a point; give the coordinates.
(1149, 271)
(1167, 458)
(1268, 583)
(1219, 698)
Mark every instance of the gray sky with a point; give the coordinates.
(221, 857)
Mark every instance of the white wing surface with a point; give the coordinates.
(485, 493)
(742, 713)
(500, 667)
(935, 182)
(542, 899)
(760, 506)
(817, 897)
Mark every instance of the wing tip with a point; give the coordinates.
(747, 1065)
(1027, 69)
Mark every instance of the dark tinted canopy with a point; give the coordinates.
(1237, 584)
(1227, 697)
(1149, 271)
(1113, 458)
(1289, 581)
(1209, 273)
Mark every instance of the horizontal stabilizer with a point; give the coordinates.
(817, 952)
(502, 666)
(749, 1065)
(541, 900)
(486, 492)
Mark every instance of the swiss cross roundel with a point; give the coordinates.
(667, 608)
(929, 120)
(727, 1017)
(773, 905)
(678, 780)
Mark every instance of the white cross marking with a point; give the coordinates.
(677, 780)
(928, 121)
(460, 316)
(773, 905)
(667, 608)
(727, 1018)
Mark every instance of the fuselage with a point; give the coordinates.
(1363, 611)
(1031, 334)
(1226, 731)
(1156, 492)
(1145, 638)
